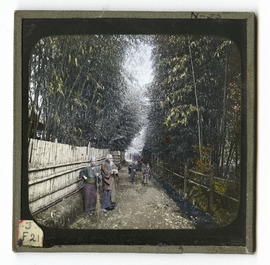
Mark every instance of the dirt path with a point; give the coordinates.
(138, 207)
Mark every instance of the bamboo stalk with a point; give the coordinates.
(197, 103)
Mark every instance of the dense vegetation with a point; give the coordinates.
(78, 91)
(194, 117)
(195, 103)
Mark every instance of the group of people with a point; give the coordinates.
(99, 176)
(104, 177)
(136, 166)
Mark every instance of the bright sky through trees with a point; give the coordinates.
(139, 68)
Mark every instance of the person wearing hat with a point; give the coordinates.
(108, 169)
(90, 176)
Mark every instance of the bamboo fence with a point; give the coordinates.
(53, 170)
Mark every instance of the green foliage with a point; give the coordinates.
(194, 117)
(77, 88)
(196, 104)
(203, 165)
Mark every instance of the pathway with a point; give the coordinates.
(138, 207)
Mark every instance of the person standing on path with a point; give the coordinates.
(90, 176)
(108, 168)
(115, 177)
(133, 172)
(146, 174)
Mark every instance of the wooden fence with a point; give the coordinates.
(206, 182)
(53, 171)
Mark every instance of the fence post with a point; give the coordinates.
(211, 193)
(185, 180)
(88, 151)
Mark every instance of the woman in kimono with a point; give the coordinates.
(90, 176)
(108, 169)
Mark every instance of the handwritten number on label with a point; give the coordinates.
(27, 225)
(33, 237)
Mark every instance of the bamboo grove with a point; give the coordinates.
(194, 118)
(78, 92)
(195, 103)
